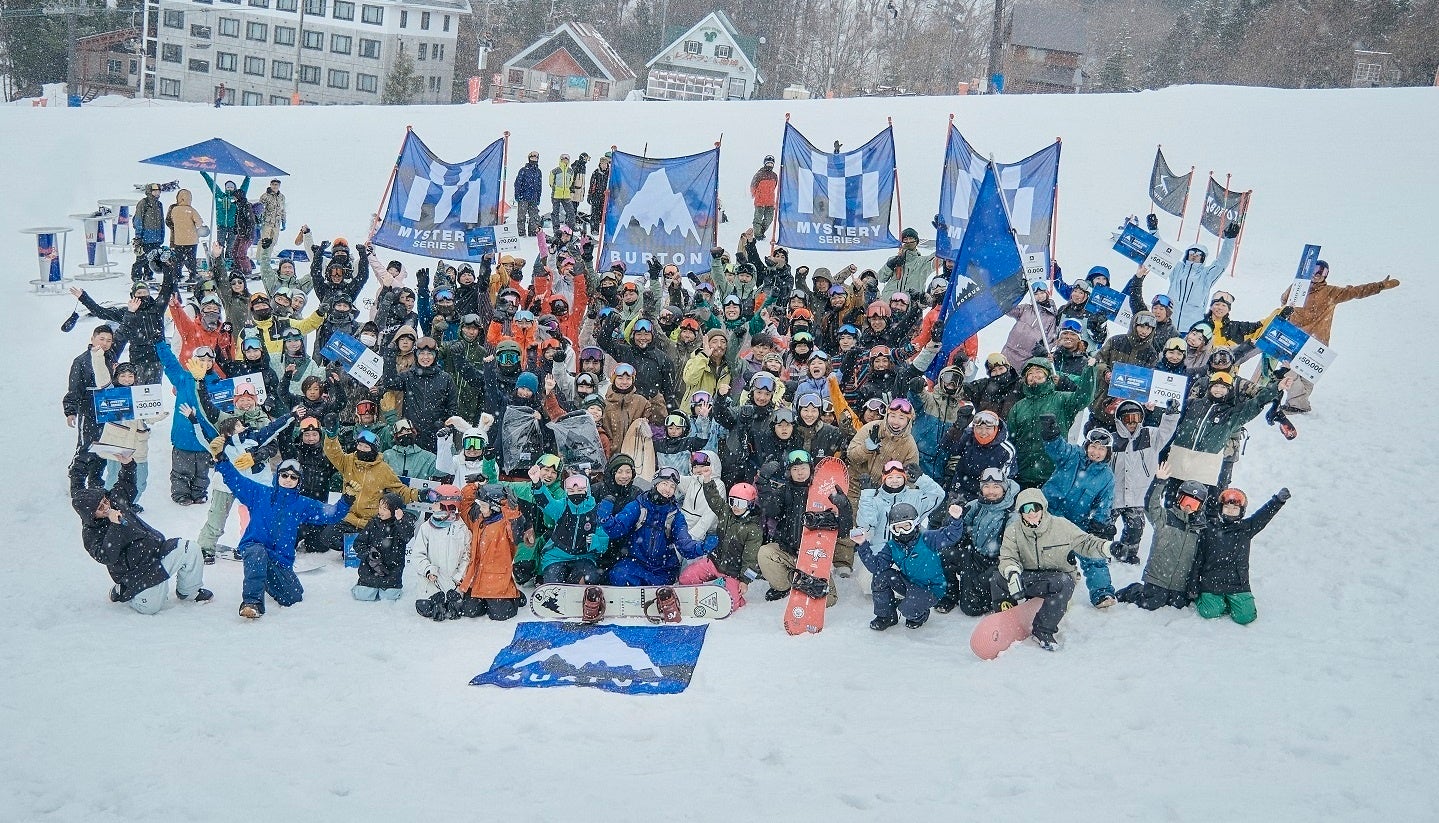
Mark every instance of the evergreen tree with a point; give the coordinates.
(403, 83)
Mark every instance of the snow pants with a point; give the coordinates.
(371, 594)
(1239, 606)
(142, 477)
(573, 571)
(1096, 578)
(265, 576)
(186, 567)
(967, 572)
(528, 221)
(189, 475)
(185, 258)
(1055, 587)
(1133, 517)
(629, 572)
(87, 470)
(888, 586)
(220, 502)
(776, 564)
(763, 219)
(703, 571)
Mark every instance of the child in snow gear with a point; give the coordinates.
(735, 561)
(439, 555)
(908, 576)
(380, 546)
(1223, 560)
(1169, 575)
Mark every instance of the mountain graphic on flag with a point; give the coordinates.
(657, 205)
(601, 652)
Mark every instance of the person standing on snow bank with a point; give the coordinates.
(1223, 562)
(764, 188)
(1316, 317)
(139, 558)
(1193, 280)
(529, 186)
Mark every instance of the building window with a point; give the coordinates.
(315, 8)
(724, 52)
(1368, 72)
(257, 31)
(174, 19)
(517, 77)
(279, 100)
(310, 74)
(344, 10)
(404, 18)
(171, 53)
(424, 51)
(446, 26)
(692, 47)
(233, 3)
(260, 4)
(117, 66)
(370, 48)
(134, 66)
(199, 32)
(225, 61)
(252, 98)
(425, 20)
(286, 5)
(200, 66)
(367, 82)
(374, 15)
(315, 40)
(282, 70)
(169, 87)
(439, 51)
(255, 66)
(341, 43)
(433, 83)
(284, 35)
(737, 88)
(229, 27)
(337, 79)
(602, 89)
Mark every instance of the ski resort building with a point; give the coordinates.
(573, 62)
(1043, 51)
(269, 52)
(710, 60)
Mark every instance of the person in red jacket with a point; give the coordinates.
(764, 187)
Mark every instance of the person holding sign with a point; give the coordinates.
(88, 372)
(1197, 451)
(132, 434)
(1316, 317)
(1095, 322)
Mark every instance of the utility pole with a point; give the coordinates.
(996, 45)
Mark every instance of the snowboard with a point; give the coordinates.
(562, 601)
(804, 614)
(996, 632)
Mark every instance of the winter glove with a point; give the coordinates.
(1114, 549)
(196, 368)
(1172, 406)
(717, 252)
(1285, 312)
(871, 440)
(1232, 230)
(1013, 591)
(1048, 427)
(1104, 530)
(895, 263)
(266, 242)
(769, 469)
(558, 354)
(1388, 283)
(655, 269)
(373, 561)
(243, 461)
(1152, 221)
(918, 385)
(1282, 495)
(348, 498)
(838, 499)
(139, 247)
(422, 279)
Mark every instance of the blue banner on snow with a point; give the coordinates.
(836, 202)
(1105, 300)
(621, 659)
(661, 208)
(436, 209)
(1028, 186)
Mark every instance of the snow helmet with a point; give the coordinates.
(745, 492)
(1194, 490)
(878, 308)
(903, 521)
(450, 506)
(492, 493)
(1234, 497)
(290, 466)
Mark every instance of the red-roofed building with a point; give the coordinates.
(573, 62)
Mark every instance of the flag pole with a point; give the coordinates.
(504, 176)
(715, 238)
(378, 219)
(778, 192)
(898, 201)
(1158, 153)
(1239, 241)
(1054, 213)
(1200, 227)
(1185, 208)
(605, 207)
(1038, 318)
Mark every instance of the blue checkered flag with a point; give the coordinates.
(1028, 188)
(836, 201)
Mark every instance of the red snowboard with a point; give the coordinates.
(997, 632)
(804, 614)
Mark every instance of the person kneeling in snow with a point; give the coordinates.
(1224, 556)
(138, 557)
(1034, 561)
(654, 528)
(1169, 575)
(495, 525)
(277, 512)
(907, 565)
(439, 556)
(735, 560)
(381, 549)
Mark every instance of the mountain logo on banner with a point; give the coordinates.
(657, 206)
(622, 659)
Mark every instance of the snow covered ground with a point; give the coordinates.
(1324, 709)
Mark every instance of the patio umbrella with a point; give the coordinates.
(217, 157)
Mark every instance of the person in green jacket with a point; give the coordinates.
(225, 209)
(1197, 450)
(1042, 398)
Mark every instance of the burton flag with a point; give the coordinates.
(664, 209)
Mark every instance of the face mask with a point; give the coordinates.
(576, 498)
(367, 456)
(368, 339)
(260, 314)
(209, 321)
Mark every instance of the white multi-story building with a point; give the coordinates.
(265, 52)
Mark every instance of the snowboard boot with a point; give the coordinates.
(879, 624)
(1046, 640)
(1105, 602)
(913, 624)
(250, 611)
(774, 594)
(209, 556)
(592, 607)
(114, 594)
(666, 604)
(200, 596)
(947, 604)
(1129, 554)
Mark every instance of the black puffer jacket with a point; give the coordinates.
(996, 394)
(141, 329)
(129, 550)
(783, 502)
(654, 369)
(1224, 550)
(430, 398)
(78, 395)
(381, 549)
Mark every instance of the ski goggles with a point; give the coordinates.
(444, 296)
(1222, 297)
(892, 466)
(1030, 508)
(992, 474)
(402, 426)
(548, 461)
(624, 370)
(1175, 344)
(874, 404)
(473, 443)
(700, 397)
(900, 404)
(849, 330)
(782, 416)
(311, 424)
(367, 437)
(428, 345)
(288, 474)
(1162, 300)
(644, 325)
(699, 459)
(797, 457)
(592, 353)
(903, 527)
(810, 401)
(204, 351)
(1101, 437)
(1072, 325)
(762, 382)
(524, 316)
(667, 475)
(365, 407)
(471, 320)
(738, 503)
(508, 357)
(577, 484)
(986, 420)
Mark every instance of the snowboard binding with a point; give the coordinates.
(815, 587)
(592, 608)
(666, 604)
(827, 520)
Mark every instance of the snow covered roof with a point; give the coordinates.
(748, 46)
(587, 41)
(1055, 28)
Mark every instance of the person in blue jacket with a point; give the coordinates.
(189, 457)
(529, 187)
(970, 564)
(277, 512)
(1081, 490)
(1194, 278)
(907, 565)
(654, 528)
(574, 544)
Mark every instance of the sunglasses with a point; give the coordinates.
(289, 476)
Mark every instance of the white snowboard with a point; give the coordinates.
(560, 601)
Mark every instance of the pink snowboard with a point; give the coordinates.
(997, 632)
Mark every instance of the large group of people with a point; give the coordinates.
(567, 420)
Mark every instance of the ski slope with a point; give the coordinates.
(1324, 709)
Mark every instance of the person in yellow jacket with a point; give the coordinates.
(272, 329)
(561, 179)
(366, 478)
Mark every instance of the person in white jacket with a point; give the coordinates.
(468, 465)
(1135, 456)
(699, 518)
(895, 486)
(437, 558)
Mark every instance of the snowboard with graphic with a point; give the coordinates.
(997, 632)
(804, 614)
(562, 601)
